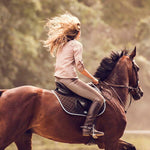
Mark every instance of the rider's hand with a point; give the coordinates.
(95, 81)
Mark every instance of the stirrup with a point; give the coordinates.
(93, 132)
(96, 133)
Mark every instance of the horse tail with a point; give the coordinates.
(2, 91)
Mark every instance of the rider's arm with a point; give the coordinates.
(87, 74)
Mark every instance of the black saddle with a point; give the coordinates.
(72, 103)
(62, 89)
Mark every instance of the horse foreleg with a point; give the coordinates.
(23, 142)
(125, 146)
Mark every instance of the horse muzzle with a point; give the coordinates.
(137, 93)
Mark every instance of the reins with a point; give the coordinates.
(120, 86)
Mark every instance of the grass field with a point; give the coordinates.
(142, 142)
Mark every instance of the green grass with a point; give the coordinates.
(38, 143)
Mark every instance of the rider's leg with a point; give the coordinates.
(90, 120)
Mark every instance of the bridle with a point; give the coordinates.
(112, 86)
(130, 88)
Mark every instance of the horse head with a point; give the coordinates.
(135, 89)
(132, 68)
(119, 72)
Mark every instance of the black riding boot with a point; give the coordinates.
(88, 128)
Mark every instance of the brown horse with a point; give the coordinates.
(27, 109)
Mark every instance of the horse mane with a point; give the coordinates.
(107, 65)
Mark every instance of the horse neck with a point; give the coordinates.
(119, 76)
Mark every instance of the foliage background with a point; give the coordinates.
(106, 26)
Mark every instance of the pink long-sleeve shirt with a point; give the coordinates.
(68, 59)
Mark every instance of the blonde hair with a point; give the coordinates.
(60, 30)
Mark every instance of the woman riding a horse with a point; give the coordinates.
(63, 33)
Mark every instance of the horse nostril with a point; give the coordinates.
(142, 93)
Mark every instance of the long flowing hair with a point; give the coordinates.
(60, 30)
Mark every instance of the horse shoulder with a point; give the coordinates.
(114, 118)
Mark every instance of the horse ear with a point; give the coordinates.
(133, 54)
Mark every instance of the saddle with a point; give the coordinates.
(72, 103)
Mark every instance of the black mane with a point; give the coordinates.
(107, 65)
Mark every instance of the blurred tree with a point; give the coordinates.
(143, 29)
(23, 60)
(105, 26)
